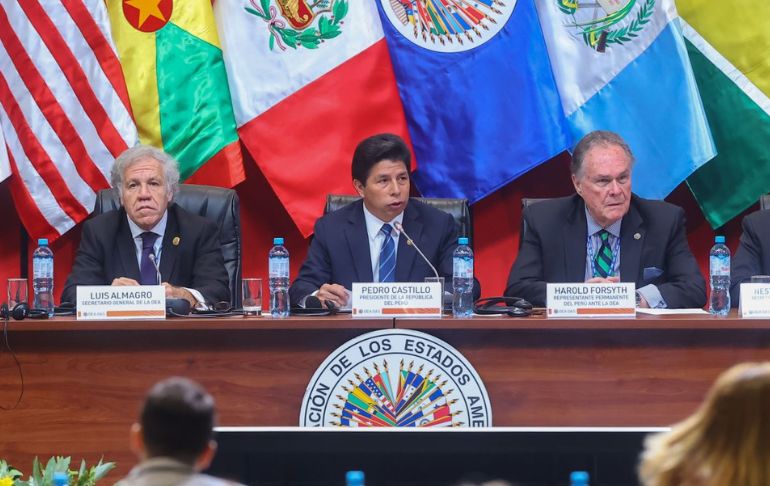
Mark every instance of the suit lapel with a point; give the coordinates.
(631, 245)
(170, 251)
(406, 254)
(127, 249)
(358, 243)
(574, 234)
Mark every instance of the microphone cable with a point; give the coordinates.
(7, 345)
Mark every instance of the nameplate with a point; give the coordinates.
(405, 299)
(107, 302)
(755, 300)
(591, 300)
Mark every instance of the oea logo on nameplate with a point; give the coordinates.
(755, 300)
(106, 302)
(396, 378)
(404, 299)
(591, 299)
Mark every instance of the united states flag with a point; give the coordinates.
(64, 109)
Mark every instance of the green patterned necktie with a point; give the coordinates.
(604, 258)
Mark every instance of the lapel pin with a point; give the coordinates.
(177, 239)
(637, 236)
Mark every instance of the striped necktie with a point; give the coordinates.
(387, 268)
(604, 257)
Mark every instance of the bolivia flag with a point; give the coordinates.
(309, 79)
(729, 47)
(172, 61)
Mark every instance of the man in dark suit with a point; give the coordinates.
(753, 256)
(361, 242)
(123, 247)
(174, 438)
(605, 234)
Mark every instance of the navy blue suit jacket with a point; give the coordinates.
(753, 254)
(653, 250)
(339, 252)
(108, 251)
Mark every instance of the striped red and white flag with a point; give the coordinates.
(5, 167)
(64, 108)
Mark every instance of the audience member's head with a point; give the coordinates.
(177, 421)
(725, 442)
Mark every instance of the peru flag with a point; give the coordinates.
(309, 80)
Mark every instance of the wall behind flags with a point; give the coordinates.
(496, 227)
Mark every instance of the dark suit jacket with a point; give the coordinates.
(553, 249)
(752, 257)
(339, 252)
(107, 251)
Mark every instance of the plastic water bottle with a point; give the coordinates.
(719, 273)
(462, 279)
(60, 478)
(42, 277)
(354, 478)
(578, 478)
(278, 260)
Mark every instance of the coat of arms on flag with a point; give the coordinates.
(448, 25)
(605, 22)
(396, 378)
(300, 23)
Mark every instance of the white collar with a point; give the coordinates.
(374, 224)
(159, 229)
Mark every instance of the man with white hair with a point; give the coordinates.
(124, 247)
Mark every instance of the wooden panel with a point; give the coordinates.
(84, 382)
(649, 371)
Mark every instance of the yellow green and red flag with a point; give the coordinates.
(729, 48)
(177, 84)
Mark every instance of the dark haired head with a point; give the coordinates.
(596, 138)
(370, 151)
(177, 420)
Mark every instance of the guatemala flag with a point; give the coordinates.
(622, 65)
(481, 102)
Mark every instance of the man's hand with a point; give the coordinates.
(603, 280)
(123, 281)
(333, 292)
(179, 293)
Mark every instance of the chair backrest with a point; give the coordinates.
(764, 201)
(215, 203)
(457, 208)
(525, 202)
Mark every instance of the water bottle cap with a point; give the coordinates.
(60, 478)
(354, 477)
(278, 241)
(719, 239)
(579, 477)
(462, 240)
(42, 242)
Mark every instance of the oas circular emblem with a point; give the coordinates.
(448, 25)
(601, 23)
(300, 23)
(396, 378)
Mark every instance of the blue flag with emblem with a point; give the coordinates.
(481, 102)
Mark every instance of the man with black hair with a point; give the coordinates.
(360, 242)
(174, 439)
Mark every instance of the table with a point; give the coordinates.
(84, 381)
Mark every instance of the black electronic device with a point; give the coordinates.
(508, 306)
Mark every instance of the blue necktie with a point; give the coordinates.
(147, 273)
(387, 271)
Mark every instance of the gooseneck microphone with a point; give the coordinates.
(409, 241)
(154, 262)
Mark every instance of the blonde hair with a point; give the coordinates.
(725, 442)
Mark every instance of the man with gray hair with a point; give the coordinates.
(604, 233)
(150, 240)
